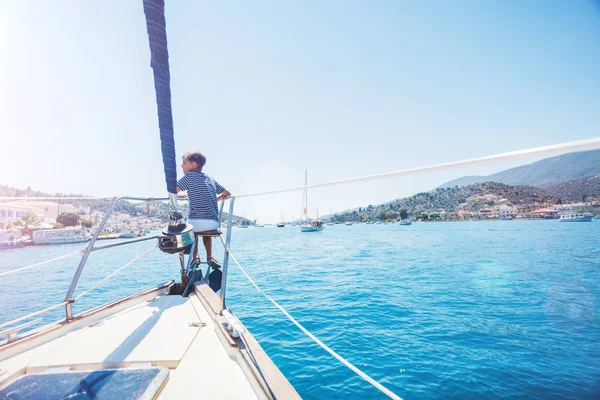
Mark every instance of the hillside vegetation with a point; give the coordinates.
(155, 209)
(474, 197)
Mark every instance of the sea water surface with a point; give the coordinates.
(433, 310)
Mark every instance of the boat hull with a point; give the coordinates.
(582, 219)
(60, 241)
(310, 229)
(11, 245)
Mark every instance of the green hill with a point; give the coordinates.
(575, 190)
(475, 197)
(557, 169)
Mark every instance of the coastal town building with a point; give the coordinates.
(46, 211)
(505, 211)
(485, 213)
(545, 213)
(10, 212)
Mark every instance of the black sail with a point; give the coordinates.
(159, 61)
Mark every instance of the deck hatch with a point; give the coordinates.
(120, 383)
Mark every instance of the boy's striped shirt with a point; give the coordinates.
(202, 193)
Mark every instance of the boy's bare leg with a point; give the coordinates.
(208, 246)
(196, 248)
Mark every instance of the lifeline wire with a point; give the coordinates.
(32, 314)
(54, 198)
(80, 295)
(366, 377)
(144, 254)
(40, 263)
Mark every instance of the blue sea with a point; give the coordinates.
(503, 309)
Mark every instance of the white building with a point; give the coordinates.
(505, 211)
(47, 211)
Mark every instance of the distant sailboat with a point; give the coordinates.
(282, 223)
(306, 224)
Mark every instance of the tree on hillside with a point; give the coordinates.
(391, 215)
(30, 220)
(68, 219)
(403, 213)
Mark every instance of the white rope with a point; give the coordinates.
(40, 263)
(323, 345)
(580, 145)
(32, 314)
(114, 273)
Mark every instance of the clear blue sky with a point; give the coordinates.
(267, 89)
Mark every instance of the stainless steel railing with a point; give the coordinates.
(69, 300)
(90, 247)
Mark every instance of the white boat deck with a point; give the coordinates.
(169, 331)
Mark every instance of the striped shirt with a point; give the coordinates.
(202, 194)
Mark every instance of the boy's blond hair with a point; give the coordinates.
(195, 156)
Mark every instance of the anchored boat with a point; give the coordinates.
(307, 225)
(10, 239)
(60, 236)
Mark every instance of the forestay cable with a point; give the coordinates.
(569, 147)
(580, 145)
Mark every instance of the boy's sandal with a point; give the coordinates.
(213, 263)
(195, 262)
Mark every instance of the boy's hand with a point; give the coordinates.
(225, 194)
(182, 196)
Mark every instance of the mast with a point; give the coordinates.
(306, 193)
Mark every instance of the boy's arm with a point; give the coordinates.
(182, 185)
(181, 196)
(224, 194)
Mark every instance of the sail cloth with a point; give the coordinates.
(156, 25)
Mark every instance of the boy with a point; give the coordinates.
(202, 192)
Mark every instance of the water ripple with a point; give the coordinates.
(441, 310)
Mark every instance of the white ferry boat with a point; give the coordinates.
(10, 239)
(577, 217)
(60, 236)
